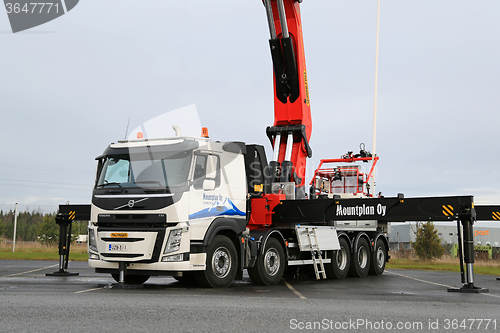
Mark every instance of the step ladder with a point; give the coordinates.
(316, 253)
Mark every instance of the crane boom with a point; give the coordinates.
(292, 126)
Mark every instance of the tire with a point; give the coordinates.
(378, 258)
(360, 260)
(269, 267)
(132, 279)
(341, 261)
(221, 264)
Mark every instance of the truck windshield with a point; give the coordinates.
(145, 170)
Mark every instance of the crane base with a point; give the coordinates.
(469, 288)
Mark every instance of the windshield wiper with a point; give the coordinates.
(113, 183)
(148, 182)
(154, 190)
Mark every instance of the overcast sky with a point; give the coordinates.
(68, 88)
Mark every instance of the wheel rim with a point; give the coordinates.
(221, 262)
(380, 257)
(272, 261)
(362, 257)
(341, 258)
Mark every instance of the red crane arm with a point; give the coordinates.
(292, 114)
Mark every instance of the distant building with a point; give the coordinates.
(401, 234)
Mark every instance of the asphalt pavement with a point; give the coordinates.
(397, 301)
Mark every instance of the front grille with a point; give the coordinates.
(133, 221)
(122, 240)
(130, 216)
(160, 237)
(121, 255)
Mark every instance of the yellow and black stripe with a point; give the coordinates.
(72, 214)
(448, 210)
(495, 216)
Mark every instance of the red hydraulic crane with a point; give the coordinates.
(292, 127)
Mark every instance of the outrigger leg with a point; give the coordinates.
(122, 284)
(64, 244)
(123, 271)
(466, 217)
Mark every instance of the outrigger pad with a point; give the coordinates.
(62, 273)
(469, 288)
(121, 286)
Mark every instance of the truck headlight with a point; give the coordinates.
(92, 240)
(174, 241)
(173, 258)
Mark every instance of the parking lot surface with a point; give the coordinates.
(399, 300)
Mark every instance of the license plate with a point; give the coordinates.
(118, 247)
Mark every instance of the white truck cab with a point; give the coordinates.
(154, 199)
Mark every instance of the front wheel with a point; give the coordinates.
(270, 265)
(378, 258)
(221, 264)
(132, 279)
(360, 260)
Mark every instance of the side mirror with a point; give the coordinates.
(208, 185)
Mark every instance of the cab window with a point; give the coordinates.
(206, 167)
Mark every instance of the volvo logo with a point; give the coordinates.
(131, 203)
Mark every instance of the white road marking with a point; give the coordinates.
(293, 289)
(409, 277)
(437, 284)
(34, 270)
(84, 291)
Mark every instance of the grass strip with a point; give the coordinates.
(484, 268)
(79, 253)
(42, 252)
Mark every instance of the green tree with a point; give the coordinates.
(48, 231)
(28, 224)
(3, 227)
(79, 228)
(427, 243)
(8, 223)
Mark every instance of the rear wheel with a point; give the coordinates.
(378, 258)
(132, 279)
(360, 261)
(221, 264)
(341, 261)
(270, 265)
